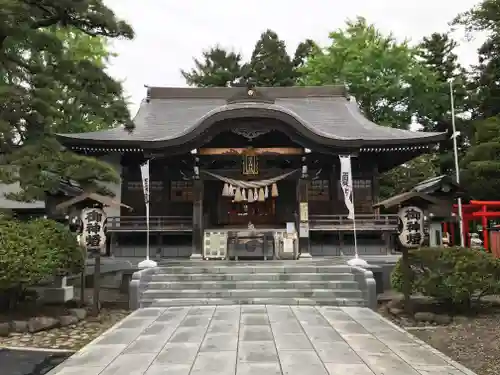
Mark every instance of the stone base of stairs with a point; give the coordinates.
(196, 283)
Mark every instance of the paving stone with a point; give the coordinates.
(255, 319)
(336, 352)
(223, 363)
(215, 342)
(209, 340)
(292, 341)
(130, 364)
(251, 368)
(256, 333)
(300, 362)
(177, 353)
(146, 344)
(322, 333)
(257, 351)
(188, 334)
(223, 327)
(175, 369)
(343, 369)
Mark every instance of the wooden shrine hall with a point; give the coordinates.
(249, 172)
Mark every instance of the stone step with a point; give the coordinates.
(167, 302)
(341, 276)
(254, 268)
(252, 293)
(252, 284)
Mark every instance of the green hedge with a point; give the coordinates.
(36, 250)
(451, 275)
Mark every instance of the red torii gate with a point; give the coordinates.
(478, 210)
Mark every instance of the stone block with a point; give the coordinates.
(67, 320)
(4, 329)
(80, 314)
(42, 323)
(57, 294)
(18, 326)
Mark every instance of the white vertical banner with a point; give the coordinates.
(346, 183)
(348, 189)
(146, 183)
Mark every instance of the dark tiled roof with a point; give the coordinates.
(9, 204)
(170, 113)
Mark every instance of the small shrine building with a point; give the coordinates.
(239, 167)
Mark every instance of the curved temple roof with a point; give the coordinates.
(172, 116)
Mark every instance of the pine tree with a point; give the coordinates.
(438, 55)
(270, 64)
(218, 68)
(52, 79)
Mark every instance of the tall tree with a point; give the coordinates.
(52, 79)
(438, 55)
(386, 78)
(270, 64)
(481, 164)
(218, 68)
(381, 73)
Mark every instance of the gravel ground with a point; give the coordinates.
(473, 341)
(72, 337)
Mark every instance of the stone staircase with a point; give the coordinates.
(271, 282)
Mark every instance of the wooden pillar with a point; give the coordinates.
(452, 234)
(375, 189)
(303, 200)
(197, 219)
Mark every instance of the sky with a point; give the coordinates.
(169, 33)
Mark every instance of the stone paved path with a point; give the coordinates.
(258, 340)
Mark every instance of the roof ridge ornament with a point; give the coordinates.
(248, 92)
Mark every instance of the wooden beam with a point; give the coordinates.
(257, 151)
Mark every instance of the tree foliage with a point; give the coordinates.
(481, 164)
(34, 251)
(438, 55)
(389, 82)
(382, 74)
(270, 64)
(52, 79)
(218, 68)
(455, 276)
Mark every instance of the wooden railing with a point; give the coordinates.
(156, 223)
(364, 222)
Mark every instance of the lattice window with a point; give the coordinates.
(319, 190)
(363, 201)
(181, 191)
(137, 185)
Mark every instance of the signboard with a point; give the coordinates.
(304, 211)
(411, 227)
(93, 236)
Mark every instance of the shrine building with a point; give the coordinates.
(250, 172)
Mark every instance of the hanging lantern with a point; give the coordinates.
(261, 198)
(237, 195)
(250, 163)
(274, 190)
(266, 193)
(225, 191)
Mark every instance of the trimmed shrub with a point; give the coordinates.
(457, 276)
(37, 250)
